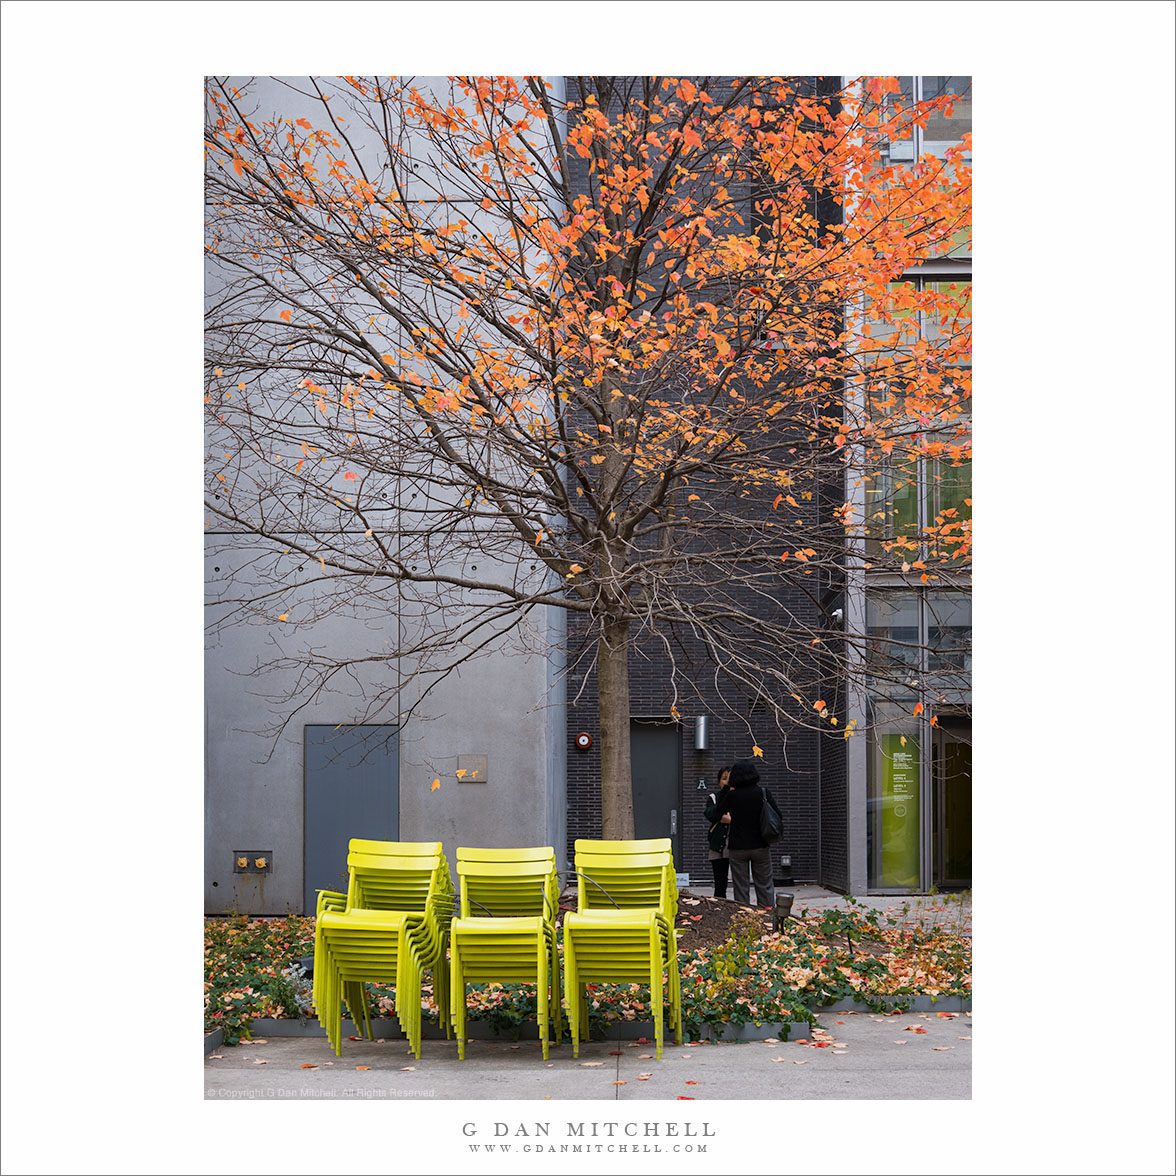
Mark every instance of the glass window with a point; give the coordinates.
(949, 645)
(892, 513)
(892, 633)
(946, 126)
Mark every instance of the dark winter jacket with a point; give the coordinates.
(716, 837)
(743, 801)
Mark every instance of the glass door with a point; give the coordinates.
(952, 801)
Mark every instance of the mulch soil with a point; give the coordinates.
(703, 922)
(706, 922)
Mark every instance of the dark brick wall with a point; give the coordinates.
(789, 766)
(804, 770)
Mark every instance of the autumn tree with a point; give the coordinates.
(495, 350)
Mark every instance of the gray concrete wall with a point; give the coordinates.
(506, 706)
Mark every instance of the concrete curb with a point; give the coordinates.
(915, 1004)
(787, 1031)
(388, 1027)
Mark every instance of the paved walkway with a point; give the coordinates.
(853, 1056)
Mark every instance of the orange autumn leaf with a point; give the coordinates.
(285, 315)
(435, 785)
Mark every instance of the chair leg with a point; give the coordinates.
(572, 993)
(542, 994)
(655, 987)
(459, 1010)
(556, 998)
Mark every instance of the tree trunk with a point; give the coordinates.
(616, 764)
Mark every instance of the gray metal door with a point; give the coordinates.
(657, 755)
(351, 789)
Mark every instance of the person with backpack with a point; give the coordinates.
(748, 849)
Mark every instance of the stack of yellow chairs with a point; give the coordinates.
(623, 930)
(506, 930)
(390, 927)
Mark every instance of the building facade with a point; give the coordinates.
(517, 731)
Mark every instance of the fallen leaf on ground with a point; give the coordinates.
(904, 1041)
(968, 1038)
(771, 1040)
(778, 1059)
(686, 1098)
(308, 1066)
(645, 1055)
(616, 1053)
(363, 1067)
(216, 1055)
(405, 1068)
(941, 1048)
(915, 1029)
(947, 1015)
(355, 1039)
(260, 1041)
(260, 1062)
(799, 1061)
(591, 1063)
(691, 1082)
(620, 1082)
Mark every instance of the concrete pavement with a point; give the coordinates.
(855, 1055)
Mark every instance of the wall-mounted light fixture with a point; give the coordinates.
(702, 733)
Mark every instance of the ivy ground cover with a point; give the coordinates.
(251, 969)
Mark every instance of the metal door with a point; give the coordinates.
(351, 789)
(657, 772)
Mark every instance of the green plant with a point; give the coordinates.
(731, 959)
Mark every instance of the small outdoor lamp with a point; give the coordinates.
(702, 733)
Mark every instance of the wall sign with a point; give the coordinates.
(900, 811)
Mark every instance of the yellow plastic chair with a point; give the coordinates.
(506, 930)
(623, 930)
(391, 927)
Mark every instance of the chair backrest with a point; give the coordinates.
(395, 875)
(508, 883)
(626, 875)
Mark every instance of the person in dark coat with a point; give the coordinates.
(716, 838)
(750, 854)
